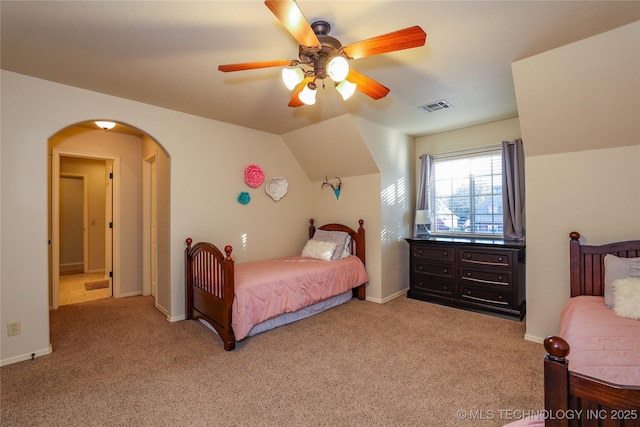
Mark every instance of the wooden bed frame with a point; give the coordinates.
(566, 392)
(209, 280)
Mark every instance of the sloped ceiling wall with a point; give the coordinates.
(332, 148)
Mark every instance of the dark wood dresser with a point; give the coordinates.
(475, 274)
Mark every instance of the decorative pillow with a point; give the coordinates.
(340, 238)
(626, 297)
(318, 249)
(617, 268)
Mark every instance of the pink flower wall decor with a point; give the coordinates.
(253, 176)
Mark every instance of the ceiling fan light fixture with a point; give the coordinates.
(346, 89)
(105, 125)
(338, 68)
(292, 77)
(308, 94)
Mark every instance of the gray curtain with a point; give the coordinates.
(513, 196)
(426, 167)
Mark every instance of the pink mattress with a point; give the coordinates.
(266, 289)
(603, 344)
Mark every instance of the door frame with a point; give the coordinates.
(149, 216)
(54, 266)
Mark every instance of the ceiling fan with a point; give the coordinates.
(322, 56)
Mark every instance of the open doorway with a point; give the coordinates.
(82, 270)
(138, 227)
(81, 218)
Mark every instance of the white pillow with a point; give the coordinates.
(626, 297)
(340, 238)
(617, 268)
(318, 249)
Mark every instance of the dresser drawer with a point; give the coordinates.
(486, 297)
(479, 277)
(440, 254)
(425, 283)
(433, 269)
(492, 258)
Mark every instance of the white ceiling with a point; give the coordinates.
(166, 53)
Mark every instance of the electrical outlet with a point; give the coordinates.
(13, 328)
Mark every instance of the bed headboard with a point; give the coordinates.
(586, 263)
(357, 237)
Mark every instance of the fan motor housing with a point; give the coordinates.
(329, 47)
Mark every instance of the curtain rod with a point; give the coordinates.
(467, 151)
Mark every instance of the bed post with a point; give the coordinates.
(575, 263)
(188, 314)
(228, 337)
(556, 380)
(312, 228)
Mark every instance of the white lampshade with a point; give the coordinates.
(308, 95)
(346, 89)
(338, 69)
(105, 125)
(423, 217)
(292, 77)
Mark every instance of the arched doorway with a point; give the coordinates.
(140, 201)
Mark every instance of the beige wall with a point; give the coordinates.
(207, 164)
(471, 137)
(579, 107)
(72, 221)
(359, 199)
(392, 152)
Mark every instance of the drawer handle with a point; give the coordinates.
(420, 252)
(469, 274)
(468, 256)
(468, 292)
(420, 267)
(500, 278)
(500, 259)
(446, 270)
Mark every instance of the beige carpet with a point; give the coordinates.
(404, 363)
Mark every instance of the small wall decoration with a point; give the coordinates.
(253, 176)
(336, 186)
(244, 198)
(276, 188)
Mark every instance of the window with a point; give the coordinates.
(466, 193)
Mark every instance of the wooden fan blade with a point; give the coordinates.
(398, 40)
(295, 101)
(255, 65)
(290, 15)
(367, 85)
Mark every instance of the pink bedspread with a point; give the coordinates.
(603, 344)
(266, 289)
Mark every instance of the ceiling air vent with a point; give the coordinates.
(432, 107)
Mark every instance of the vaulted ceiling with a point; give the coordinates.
(167, 53)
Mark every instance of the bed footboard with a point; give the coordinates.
(209, 288)
(572, 399)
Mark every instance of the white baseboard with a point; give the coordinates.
(131, 294)
(389, 298)
(533, 338)
(176, 318)
(24, 357)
